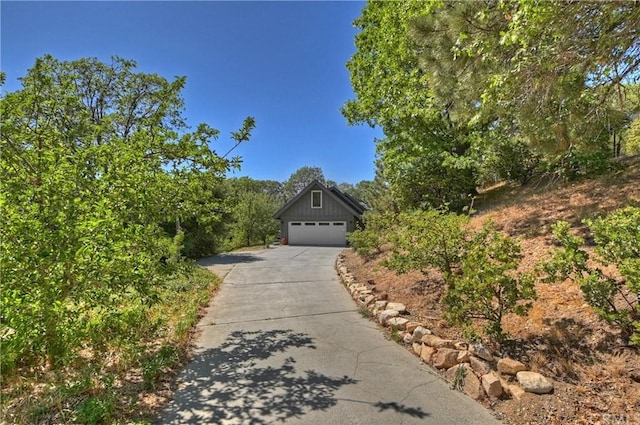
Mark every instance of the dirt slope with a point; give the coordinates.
(596, 377)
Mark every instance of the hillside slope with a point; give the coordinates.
(596, 376)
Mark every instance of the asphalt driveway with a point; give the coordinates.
(282, 342)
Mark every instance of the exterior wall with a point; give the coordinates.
(331, 210)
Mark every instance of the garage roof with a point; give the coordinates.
(350, 203)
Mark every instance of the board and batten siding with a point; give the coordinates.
(331, 210)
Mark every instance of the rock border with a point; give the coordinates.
(469, 367)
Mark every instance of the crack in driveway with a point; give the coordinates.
(293, 316)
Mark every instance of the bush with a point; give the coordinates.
(425, 239)
(617, 239)
(479, 268)
(489, 286)
(367, 241)
(511, 159)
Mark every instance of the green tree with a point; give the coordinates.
(554, 72)
(301, 179)
(462, 87)
(252, 204)
(376, 194)
(95, 157)
(253, 220)
(479, 267)
(424, 151)
(632, 145)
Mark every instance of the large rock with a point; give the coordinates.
(399, 307)
(407, 338)
(412, 326)
(470, 382)
(533, 382)
(399, 322)
(426, 353)
(368, 300)
(510, 366)
(464, 357)
(491, 384)
(419, 332)
(478, 349)
(515, 391)
(380, 305)
(445, 358)
(479, 366)
(512, 390)
(385, 315)
(437, 342)
(417, 347)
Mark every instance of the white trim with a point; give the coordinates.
(312, 193)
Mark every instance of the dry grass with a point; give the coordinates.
(561, 337)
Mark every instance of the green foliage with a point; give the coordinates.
(423, 155)
(157, 364)
(395, 334)
(86, 393)
(95, 158)
(376, 194)
(95, 410)
(588, 164)
(367, 241)
(254, 222)
(252, 204)
(427, 239)
(365, 312)
(489, 286)
(617, 238)
(479, 268)
(422, 174)
(632, 144)
(182, 297)
(510, 159)
(459, 379)
(505, 63)
(469, 92)
(204, 236)
(300, 179)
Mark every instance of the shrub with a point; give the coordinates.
(489, 286)
(511, 159)
(95, 410)
(425, 239)
(367, 241)
(617, 239)
(479, 268)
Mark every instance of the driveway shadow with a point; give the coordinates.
(233, 383)
(228, 258)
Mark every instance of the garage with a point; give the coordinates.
(319, 215)
(317, 233)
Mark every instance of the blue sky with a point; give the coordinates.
(281, 62)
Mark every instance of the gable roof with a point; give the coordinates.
(348, 199)
(350, 204)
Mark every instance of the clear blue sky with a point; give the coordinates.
(281, 62)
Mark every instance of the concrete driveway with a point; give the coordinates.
(282, 342)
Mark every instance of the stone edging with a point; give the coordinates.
(472, 368)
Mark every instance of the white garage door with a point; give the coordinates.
(318, 233)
